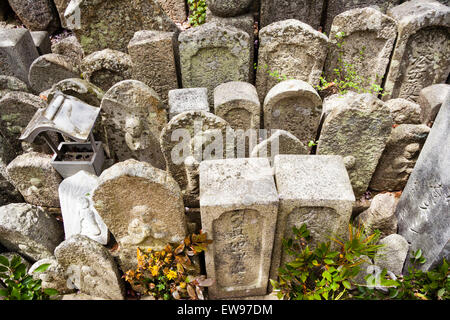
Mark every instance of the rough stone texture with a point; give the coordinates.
(190, 125)
(102, 22)
(293, 106)
(16, 110)
(422, 211)
(17, 52)
(404, 111)
(35, 178)
(42, 42)
(50, 69)
(36, 15)
(422, 52)
(142, 207)
(357, 128)
(292, 50)
(133, 117)
(315, 190)
(61, 6)
(8, 194)
(153, 60)
(380, 215)
(367, 45)
(399, 157)
(237, 103)
(78, 88)
(430, 101)
(29, 230)
(188, 99)
(90, 268)
(69, 47)
(335, 7)
(53, 277)
(280, 142)
(229, 8)
(9, 83)
(393, 254)
(76, 208)
(309, 12)
(106, 68)
(175, 9)
(213, 54)
(238, 205)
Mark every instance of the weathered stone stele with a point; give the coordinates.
(289, 49)
(404, 111)
(309, 12)
(238, 204)
(153, 60)
(17, 53)
(50, 69)
(101, 22)
(76, 208)
(293, 106)
(430, 101)
(39, 15)
(336, 7)
(237, 103)
(53, 277)
(279, 142)
(422, 51)
(315, 190)
(391, 256)
(229, 8)
(16, 110)
(133, 117)
(10, 83)
(357, 128)
(69, 47)
(106, 68)
(142, 207)
(399, 157)
(368, 40)
(29, 230)
(422, 211)
(213, 54)
(380, 215)
(35, 178)
(78, 88)
(42, 42)
(187, 99)
(90, 268)
(175, 9)
(186, 127)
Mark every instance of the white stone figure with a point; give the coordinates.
(78, 214)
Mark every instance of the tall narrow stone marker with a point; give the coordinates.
(238, 205)
(422, 212)
(314, 190)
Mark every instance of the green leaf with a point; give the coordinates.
(328, 261)
(42, 267)
(4, 261)
(51, 292)
(346, 284)
(326, 275)
(3, 292)
(15, 262)
(441, 292)
(3, 269)
(418, 254)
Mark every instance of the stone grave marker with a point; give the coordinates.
(238, 204)
(187, 99)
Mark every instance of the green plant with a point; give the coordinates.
(415, 285)
(165, 275)
(346, 77)
(323, 273)
(198, 12)
(19, 284)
